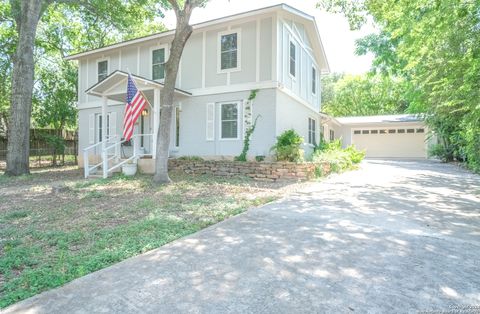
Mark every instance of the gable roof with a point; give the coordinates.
(284, 7)
(397, 118)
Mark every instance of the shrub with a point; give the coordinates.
(338, 158)
(190, 158)
(439, 151)
(259, 158)
(288, 147)
(356, 156)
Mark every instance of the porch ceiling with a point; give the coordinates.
(114, 86)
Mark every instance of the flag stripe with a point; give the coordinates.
(134, 106)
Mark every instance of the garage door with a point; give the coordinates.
(395, 143)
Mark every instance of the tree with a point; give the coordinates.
(183, 11)
(435, 46)
(364, 95)
(100, 15)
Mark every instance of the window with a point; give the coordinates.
(158, 64)
(332, 135)
(365, 132)
(420, 130)
(410, 131)
(229, 51)
(177, 127)
(373, 131)
(383, 131)
(229, 120)
(392, 131)
(314, 81)
(356, 132)
(312, 130)
(100, 127)
(293, 58)
(102, 70)
(401, 130)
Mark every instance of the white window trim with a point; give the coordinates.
(96, 67)
(239, 115)
(237, 31)
(150, 62)
(291, 41)
(316, 80)
(314, 131)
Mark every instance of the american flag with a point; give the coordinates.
(136, 102)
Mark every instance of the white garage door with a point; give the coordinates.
(395, 143)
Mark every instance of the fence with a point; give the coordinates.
(39, 146)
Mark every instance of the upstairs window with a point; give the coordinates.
(158, 64)
(332, 135)
(314, 81)
(312, 130)
(229, 55)
(102, 70)
(293, 58)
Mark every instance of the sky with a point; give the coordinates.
(338, 40)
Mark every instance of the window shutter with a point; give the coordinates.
(91, 128)
(210, 132)
(113, 124)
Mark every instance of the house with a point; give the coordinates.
(276, 51)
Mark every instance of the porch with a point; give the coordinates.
(110, 151)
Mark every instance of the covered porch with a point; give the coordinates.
(112, 151)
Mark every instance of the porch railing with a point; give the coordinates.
(112, 154)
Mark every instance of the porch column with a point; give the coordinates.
(156, 120)
(104, 136)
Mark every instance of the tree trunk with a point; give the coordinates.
(182, 33)
(27, 14)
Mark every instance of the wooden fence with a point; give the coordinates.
(39, 147)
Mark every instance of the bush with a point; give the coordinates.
(356, 156)
(259, 158)
(288, 146)
(338, 158)
(439, 151)
(190, 158)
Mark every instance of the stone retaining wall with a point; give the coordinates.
(261, 171)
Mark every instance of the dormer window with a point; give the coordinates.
(158, 64)
(229, 54)
(293, 58)
(102, 70)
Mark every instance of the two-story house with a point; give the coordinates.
(276, 50)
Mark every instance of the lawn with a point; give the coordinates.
(55, 226)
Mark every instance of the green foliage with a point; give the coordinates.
(435, 47)
(259, 158)
(288, 147)
(439, 151)
(190, 158)
(246, 141)
(338, 158)
(65, 28)
(364, 95)
(253, 94)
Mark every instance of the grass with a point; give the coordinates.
(47, 240)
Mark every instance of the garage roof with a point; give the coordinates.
(398, 118)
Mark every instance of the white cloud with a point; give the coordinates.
(338, 40)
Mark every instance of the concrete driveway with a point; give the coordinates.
(393, 237)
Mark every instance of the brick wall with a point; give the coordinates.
(261, 171)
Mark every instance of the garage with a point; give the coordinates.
(396, 136)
